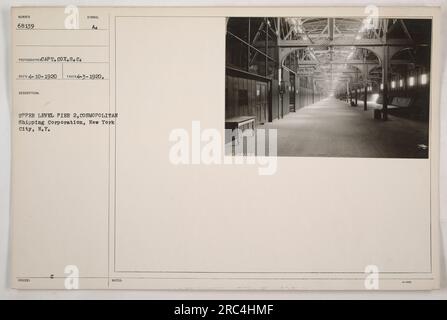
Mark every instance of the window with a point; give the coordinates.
(424, 79)
(401, 83)
(393, 84)
(411, 81)
(381, 86)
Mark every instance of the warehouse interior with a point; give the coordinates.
(342, 87)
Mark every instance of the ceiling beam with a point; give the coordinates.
(339, 42)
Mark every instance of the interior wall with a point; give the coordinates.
(240, 96)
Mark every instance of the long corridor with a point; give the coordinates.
(332, 128)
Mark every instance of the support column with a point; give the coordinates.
(347, 91)
(385, 83)
(357, 87)
(365, 98)
(248, 47)
(266, 46)
(365, 82)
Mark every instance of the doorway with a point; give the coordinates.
(261, 102)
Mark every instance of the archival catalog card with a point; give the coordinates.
(225, 148)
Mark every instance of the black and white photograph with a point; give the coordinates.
(247, 152)
(331, 86)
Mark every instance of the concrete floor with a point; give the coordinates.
(332, 128)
